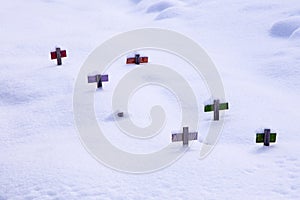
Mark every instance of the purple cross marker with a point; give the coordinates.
(104, 78)
(98, 79)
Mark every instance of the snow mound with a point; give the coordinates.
(160, 6)
(295, 34)
(285, 28)
(162, 9)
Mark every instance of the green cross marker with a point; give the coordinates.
(266, 137)
(216, 107)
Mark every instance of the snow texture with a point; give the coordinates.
(255, 46)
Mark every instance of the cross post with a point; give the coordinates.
(98, 78)
(185, 136)
(58, 55)
(216, 107)
(266, 137)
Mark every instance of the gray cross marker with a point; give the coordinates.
(185, 136)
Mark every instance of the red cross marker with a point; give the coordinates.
(137, 60)
(58, 54)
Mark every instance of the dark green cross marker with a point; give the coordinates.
(216, 107)
(266, 137)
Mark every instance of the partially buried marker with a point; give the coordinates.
(266, 137)
(58, 54)
(185, 136)
(98, 79)
(216, 107)
(137, 60)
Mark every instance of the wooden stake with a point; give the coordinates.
(185, 136)
(216, 109)
(137, 59)
(99, 81)
(267, 137)
(58, 55)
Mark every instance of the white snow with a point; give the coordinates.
(255, 46)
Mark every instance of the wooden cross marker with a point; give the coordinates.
(58, 54)
(185, 136)
(137, 60)
(266, 137)
(216, 107)
(98, 79)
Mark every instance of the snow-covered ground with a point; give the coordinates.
(254, 44)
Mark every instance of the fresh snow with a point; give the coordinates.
(254, 44)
